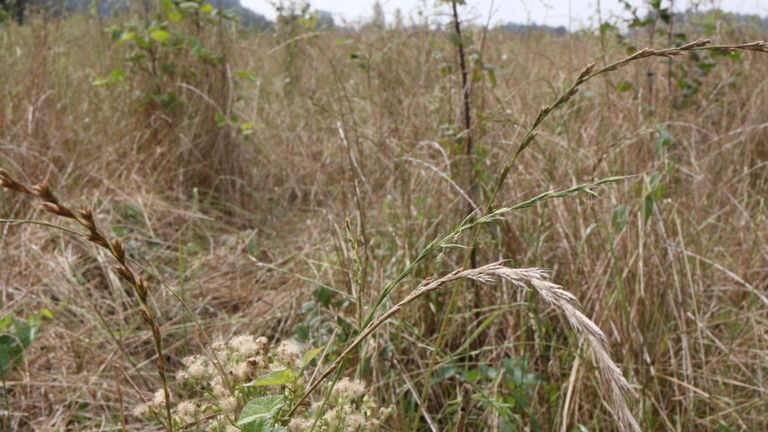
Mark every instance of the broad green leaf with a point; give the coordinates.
(206, 8)
(278, 377)
(260, 409)
(10, 352)
(167, 5)
(142, 43)
(25, 331)
(310, 355)
(174, 16)
(160, 35)
(128, 36)
(5, 322)
(323, 294)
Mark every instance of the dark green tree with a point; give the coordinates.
(13, 9)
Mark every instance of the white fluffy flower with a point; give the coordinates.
(348, 389)
(300, 425)
(332, 418)
(247, 345)
(198, 367)
(218, 387)
(228, 404)
(158, 400)
(289, 353)
(140, 410)
(187, 412)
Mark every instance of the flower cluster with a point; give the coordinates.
(237, 375)
(349, 408)
(216, 383)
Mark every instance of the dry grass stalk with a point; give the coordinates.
(466, 403)
(692, 335)
(84, 218)
(552, 294)
(590, 72)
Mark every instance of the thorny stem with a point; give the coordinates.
(84, 218)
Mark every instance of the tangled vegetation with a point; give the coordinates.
(206, 227)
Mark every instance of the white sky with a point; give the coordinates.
(551, 12)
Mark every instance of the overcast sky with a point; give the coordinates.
(552, 12)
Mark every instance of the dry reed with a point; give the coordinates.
(553, 295)
(84, 217)
(672, 286)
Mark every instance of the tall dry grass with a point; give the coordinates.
(677, 289)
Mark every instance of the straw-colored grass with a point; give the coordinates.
(305, 231)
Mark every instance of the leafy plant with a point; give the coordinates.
(16, 335)
(158, 50)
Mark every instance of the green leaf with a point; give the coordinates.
(323, 295)
(491, 71)
(10, 352)
(246, 127)
(168, 5)
(624, 86)
(5, 322)
(260, 410)
(128, 36)
(278, 377)
(664, 139)
(189, 6)
(25, 331)
(206, 8)
(445, 69)
(455, 38)
(480, 329)
(246, 76)
(46, 313)
(310, 355)
(142, 43)
(115, 76)
(160, 35)
(619, 218)
(174, 16)
(648, 207)
(302, 332)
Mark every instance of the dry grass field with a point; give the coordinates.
(292, 187)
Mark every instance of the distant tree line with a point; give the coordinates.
(521, 29)
(16, 9)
